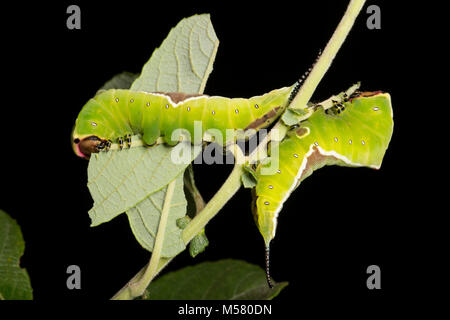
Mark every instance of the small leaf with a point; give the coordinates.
(183, 222)
(14, 281)
(144, 220)
(184, 60)
(120, 81)
(118, 180)
(198, 244)
(290, 117)
(299, 112)
(294, 116)
(248, 178)
(221, 280)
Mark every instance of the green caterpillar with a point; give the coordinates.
(354, 133)
(116, 115)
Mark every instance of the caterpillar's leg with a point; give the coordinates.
(101, 145)
(170, 142)
(150, 136)
(151, 145)
(108, 145)
(128, 140)
(120, 141)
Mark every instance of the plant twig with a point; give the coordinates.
(312, 81)
(320, 68)
(228, 189)
(137, 287)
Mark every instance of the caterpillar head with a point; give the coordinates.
(88, 145)
(90, 133)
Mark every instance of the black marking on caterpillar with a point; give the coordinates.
(299, 82)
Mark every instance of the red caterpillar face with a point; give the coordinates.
(83, 148)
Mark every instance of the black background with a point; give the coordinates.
(338, 223)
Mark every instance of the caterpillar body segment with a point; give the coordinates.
(117, 113)
(356, 136)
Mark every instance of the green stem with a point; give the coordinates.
(138, 284)
(320, 68)
(228, 189)
(139, 289)
(261, 152)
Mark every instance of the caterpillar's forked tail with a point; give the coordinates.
(298, 84)
(269, 280)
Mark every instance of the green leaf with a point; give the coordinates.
(249, 178)
(14, 281)
(131, 179)
(120, 81)
(198, 244)
(184, 221)
(221, 280)
(184, 60)
(294, 116)
(119, 180)
(144, 220)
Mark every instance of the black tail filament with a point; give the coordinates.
(299, 82)
(269, 280)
